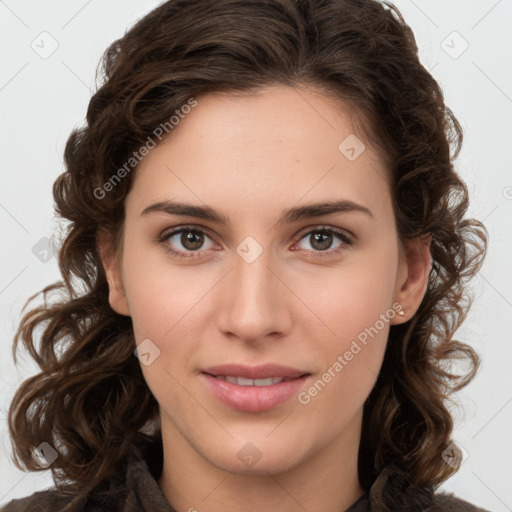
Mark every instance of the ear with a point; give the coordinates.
(111, 261)
(412, 277)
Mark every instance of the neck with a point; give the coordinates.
(326, 480)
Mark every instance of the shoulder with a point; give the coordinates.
(131, 483)
(444, 502)
(51, 500)
(438, 503)
(41, 501)
(392, 490)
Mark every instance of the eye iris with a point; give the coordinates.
(324, 240)
(192, 239)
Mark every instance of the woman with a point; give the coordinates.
(265, 264)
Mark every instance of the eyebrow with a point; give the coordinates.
(288, 216)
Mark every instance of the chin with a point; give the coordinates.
(256, 457)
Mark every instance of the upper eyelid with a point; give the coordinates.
(327, 227)
(178, 229)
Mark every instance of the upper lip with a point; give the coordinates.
(255, 372)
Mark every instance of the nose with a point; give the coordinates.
(254, 304)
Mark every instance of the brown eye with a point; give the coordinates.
(187, 242)
(192, 240)
(323, 240)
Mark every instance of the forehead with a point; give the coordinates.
(280, 144)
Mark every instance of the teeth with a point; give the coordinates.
(242, 381)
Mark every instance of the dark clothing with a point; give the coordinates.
(138, 491)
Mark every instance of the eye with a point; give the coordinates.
(321, 240)
(191, 240)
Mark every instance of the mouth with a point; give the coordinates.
(254, 389)
(260, 372)
(242, 381)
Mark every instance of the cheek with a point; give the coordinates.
(356, 305)
(165, 307)
(350, 360)
(160, 295)
(349, 298)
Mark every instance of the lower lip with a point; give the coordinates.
(253, 398)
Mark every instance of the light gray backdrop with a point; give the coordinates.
(49, 52)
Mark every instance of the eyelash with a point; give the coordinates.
(347, 241)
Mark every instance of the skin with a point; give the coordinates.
(251, 157)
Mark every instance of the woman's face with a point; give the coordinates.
(260, 285)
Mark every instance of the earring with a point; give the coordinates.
(401, 313)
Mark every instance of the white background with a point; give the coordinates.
(42, 99)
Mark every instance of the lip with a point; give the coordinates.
(255, 372)
(254, 398)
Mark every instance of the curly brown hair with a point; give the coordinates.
(90, 400)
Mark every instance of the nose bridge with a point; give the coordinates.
(253, 288)
(252, 308)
